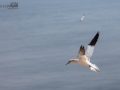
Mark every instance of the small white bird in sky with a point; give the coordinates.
(84, 56)
(82, 18)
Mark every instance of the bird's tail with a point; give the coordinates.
(93, 67)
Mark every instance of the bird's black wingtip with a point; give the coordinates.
(94, 40)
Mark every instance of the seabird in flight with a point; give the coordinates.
(83, 57)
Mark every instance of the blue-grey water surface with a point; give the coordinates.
(38, 39)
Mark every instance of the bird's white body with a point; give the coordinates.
(83, 60)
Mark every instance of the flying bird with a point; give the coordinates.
(83, 57)
(82, 18)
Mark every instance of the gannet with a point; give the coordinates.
(83, 57)
(82, 18)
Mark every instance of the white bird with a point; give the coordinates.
(84, 56)
(82, 18)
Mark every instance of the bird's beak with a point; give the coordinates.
(68, 62)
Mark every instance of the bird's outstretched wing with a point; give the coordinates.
(90, 47)
(81, 51)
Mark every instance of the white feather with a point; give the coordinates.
(82, 18)
(89, 51)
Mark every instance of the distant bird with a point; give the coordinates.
(84, 56)
(82, 18)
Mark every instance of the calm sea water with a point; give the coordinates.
(38, 39)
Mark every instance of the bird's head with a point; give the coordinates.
(71, 61)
